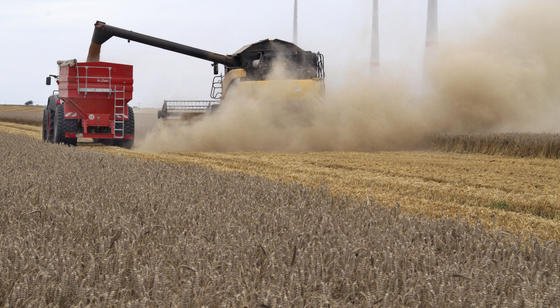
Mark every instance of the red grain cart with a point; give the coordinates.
(91, 102)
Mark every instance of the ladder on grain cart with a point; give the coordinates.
(119, 111)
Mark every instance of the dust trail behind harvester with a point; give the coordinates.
(507, 80)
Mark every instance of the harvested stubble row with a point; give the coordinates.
(81, 227)
(520, 145)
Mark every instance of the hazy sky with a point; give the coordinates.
(37, 33)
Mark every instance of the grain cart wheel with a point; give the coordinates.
(128, 130)
(58, 136)
(49, 113)
(45, 124)
(50, 126)
(48, 129)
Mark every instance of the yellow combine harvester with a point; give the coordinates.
(267, 67)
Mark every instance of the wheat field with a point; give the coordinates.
(31, 115)
(520, 145)
(81, 227)
(516, 195)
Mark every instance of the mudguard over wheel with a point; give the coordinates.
(48, 119)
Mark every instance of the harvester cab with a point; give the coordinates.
(250, 71)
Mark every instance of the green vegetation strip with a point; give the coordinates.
(85, 228)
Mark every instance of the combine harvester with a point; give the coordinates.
(246, 70)
(91, 102)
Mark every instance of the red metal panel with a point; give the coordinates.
(87, 87)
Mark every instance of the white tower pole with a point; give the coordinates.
(374, 60)
(295, 37)
(433, 24)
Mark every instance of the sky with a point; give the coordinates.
(36, 33)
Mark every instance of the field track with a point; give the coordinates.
(512, 194)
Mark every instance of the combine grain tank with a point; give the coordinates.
(91, 102)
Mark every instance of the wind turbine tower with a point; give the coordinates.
(433, 24)
(295, 37)
(374, 60)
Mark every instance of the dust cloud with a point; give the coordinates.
(506, 80)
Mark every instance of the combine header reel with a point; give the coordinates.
(186, 110)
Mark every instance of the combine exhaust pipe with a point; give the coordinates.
(104, 32)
